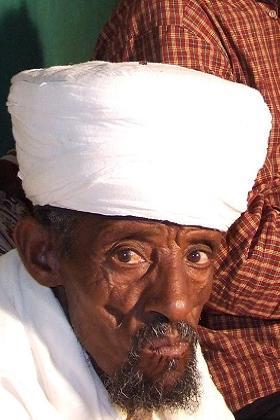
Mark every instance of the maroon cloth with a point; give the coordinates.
(13, 205)
(237, 40)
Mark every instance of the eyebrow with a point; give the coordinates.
(144, 233)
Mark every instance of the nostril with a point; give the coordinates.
(156, 317)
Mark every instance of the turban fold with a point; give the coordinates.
(156, 141)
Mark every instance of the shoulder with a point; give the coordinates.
(138, 26)
(183, 32)
(137, 16)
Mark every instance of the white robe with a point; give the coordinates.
(44, 374)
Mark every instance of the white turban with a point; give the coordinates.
(155, 141)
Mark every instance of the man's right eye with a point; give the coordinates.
(127, 256)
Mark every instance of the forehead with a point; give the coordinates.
(109, 229)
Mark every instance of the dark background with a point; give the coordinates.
(42, 33)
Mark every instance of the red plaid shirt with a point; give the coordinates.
(237, 40)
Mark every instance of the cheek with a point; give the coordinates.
(98, 303)
(201, 285)
(124, 292)
(201, 290)
(86, 287)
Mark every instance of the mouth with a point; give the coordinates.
(166, 347)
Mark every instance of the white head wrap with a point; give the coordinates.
(156, 141)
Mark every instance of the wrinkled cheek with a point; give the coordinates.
(202, 290)
(102, 341)
(75, 304)
(123, 301)
(199, 300)
(79, 318)
(98, 332)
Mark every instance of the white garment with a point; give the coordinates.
(43, 371)
(156, 141)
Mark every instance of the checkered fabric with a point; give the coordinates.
(237, 40)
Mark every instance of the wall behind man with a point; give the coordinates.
(42, 33)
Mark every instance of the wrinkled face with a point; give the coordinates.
(140, 285)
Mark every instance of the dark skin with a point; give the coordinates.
(122, 274)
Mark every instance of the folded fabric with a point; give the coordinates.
(156, 141)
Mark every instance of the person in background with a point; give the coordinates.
(13, 204)
(100, 302)
(240, 41)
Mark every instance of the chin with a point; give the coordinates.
(169, 378)
(160, 372)
(164, 371)
(172, 385)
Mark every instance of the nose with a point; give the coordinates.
(169, 296)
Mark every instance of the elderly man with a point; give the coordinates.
(100, 303)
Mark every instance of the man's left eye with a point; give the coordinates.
(128, 256)
(199, 257)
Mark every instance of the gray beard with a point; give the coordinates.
(129, 389)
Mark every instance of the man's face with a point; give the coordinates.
(135, 290)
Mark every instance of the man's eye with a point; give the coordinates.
(128, 256)
(198, 257)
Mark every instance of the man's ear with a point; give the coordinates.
(38, 251)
